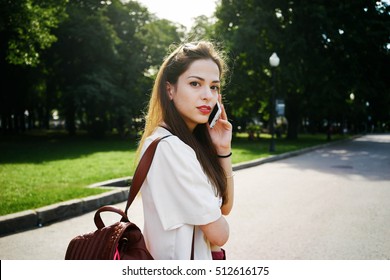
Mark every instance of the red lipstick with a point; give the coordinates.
(204, 109)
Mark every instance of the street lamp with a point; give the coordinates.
(274, 62)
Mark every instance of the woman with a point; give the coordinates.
(189, 186)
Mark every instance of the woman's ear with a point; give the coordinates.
(170, 90)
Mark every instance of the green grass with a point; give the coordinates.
(245, 150)
(41, 169)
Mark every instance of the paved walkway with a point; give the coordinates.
(330, 203)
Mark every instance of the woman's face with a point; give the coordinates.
(196, 92)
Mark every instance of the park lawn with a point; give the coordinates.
(39, 170)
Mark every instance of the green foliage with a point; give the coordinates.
(27, 26)
(157, 36)
(328, 49)
(92, 61)
(203, 28)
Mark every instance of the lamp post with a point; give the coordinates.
(274, 62)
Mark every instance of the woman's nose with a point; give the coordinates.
(207, 93)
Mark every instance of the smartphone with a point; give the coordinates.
(215, 114)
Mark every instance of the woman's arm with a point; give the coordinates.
(217, 232)
(228, 204)
(221, 135)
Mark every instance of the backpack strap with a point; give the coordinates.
(142, 170)
(140, 176)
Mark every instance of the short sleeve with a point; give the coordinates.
(180, 190)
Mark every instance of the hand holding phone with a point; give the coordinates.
(215, 115)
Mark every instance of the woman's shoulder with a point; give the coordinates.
(159, 132)
(169, 144)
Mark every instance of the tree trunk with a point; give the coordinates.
(293, 115)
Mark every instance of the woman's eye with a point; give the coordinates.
(215, 88)
(194, 84)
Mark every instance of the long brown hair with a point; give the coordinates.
(162, 109)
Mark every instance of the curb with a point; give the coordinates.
(269, 159)
(30, 219)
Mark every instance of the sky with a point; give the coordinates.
(180, 11)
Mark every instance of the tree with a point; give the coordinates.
(203, 28)
(26, 31)
(89, 60)
(243, 28)
(101, 61)
(322, 49)
(82, 60)
(26, 28)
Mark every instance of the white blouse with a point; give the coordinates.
(177, 195)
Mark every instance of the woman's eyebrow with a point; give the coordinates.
(202, 79)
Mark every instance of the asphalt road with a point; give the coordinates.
(329, 204)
